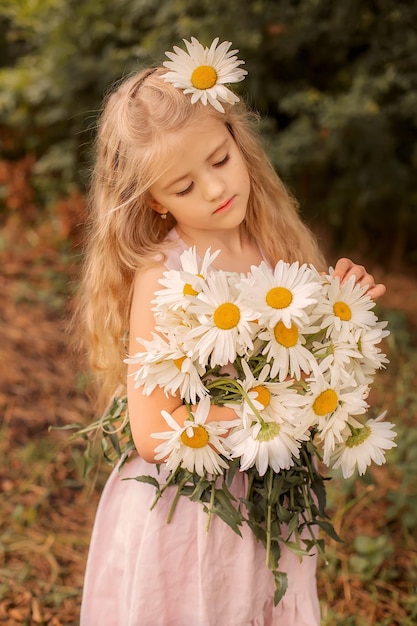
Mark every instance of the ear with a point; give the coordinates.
(156, 206)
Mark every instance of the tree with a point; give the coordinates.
(335, 84)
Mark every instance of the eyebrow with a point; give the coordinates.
(210, 156)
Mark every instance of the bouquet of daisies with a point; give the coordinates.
(294, 354)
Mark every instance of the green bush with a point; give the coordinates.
(335, 84)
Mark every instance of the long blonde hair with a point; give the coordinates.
(137, 133)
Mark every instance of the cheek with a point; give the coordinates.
(243, 173)
(245, 180)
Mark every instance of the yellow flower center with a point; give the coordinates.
(204, 77)
(342, 310)
(287, 337)
(269, 430)
(358, 436)
(326, 402)
(279, 297)
(199, 438)
(188, 290)
(226, 316)
(178, 362)
(263, 395)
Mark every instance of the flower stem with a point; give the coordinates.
(177, 496)
(268, 519)
(161, 490)
(218, 384)
(212, 496)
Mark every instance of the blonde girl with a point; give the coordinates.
(180, 166)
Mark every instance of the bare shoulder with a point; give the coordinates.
(147, 279)
(141, 315)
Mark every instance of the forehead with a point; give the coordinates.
(192, 144)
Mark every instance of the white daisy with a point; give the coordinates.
(203, 72)
(339, 360)
(364, 445)
(167, 365)
(282, 294)
(224, 325)
(367, 341)
(274, 400)
(345, 308)
(285, 351)
(181, 286)
(329, 406)
(270, 444)
(196, 446)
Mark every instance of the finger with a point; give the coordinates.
(377, 291)
(360, 275)
(342, 266)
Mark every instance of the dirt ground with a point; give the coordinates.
(48, 510)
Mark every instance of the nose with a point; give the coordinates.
(213, 186)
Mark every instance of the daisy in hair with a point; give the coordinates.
(280, 295)
(224, 328)
(204, 72)
(181, 286)
(196, 445)
(364, 445)
(266, 443)
(167, 365)
(344, 308)
(272, 399)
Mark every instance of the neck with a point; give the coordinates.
(237, 251)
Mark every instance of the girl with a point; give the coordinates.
(175, 170)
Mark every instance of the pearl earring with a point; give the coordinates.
(163, 216)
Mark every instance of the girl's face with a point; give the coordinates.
(206, 187)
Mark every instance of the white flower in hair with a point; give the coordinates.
(203, 72)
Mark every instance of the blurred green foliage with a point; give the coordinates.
(334, 82)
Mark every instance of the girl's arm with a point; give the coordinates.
(145, 411)
(345, 268)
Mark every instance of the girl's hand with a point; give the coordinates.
(345, 268)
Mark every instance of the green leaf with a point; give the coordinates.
(197, 492)
(226, 511)
(281, 585)
(297, 549)
(329, 529)
(88, 461)
(150, 480)
(319, 489)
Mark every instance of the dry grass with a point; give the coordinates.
(47, 508)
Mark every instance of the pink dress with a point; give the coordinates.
(142, 571)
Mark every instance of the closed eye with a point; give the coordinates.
(223, 161)
(185, 191)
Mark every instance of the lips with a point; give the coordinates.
(225, 205)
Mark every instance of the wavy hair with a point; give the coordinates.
(137, 135)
